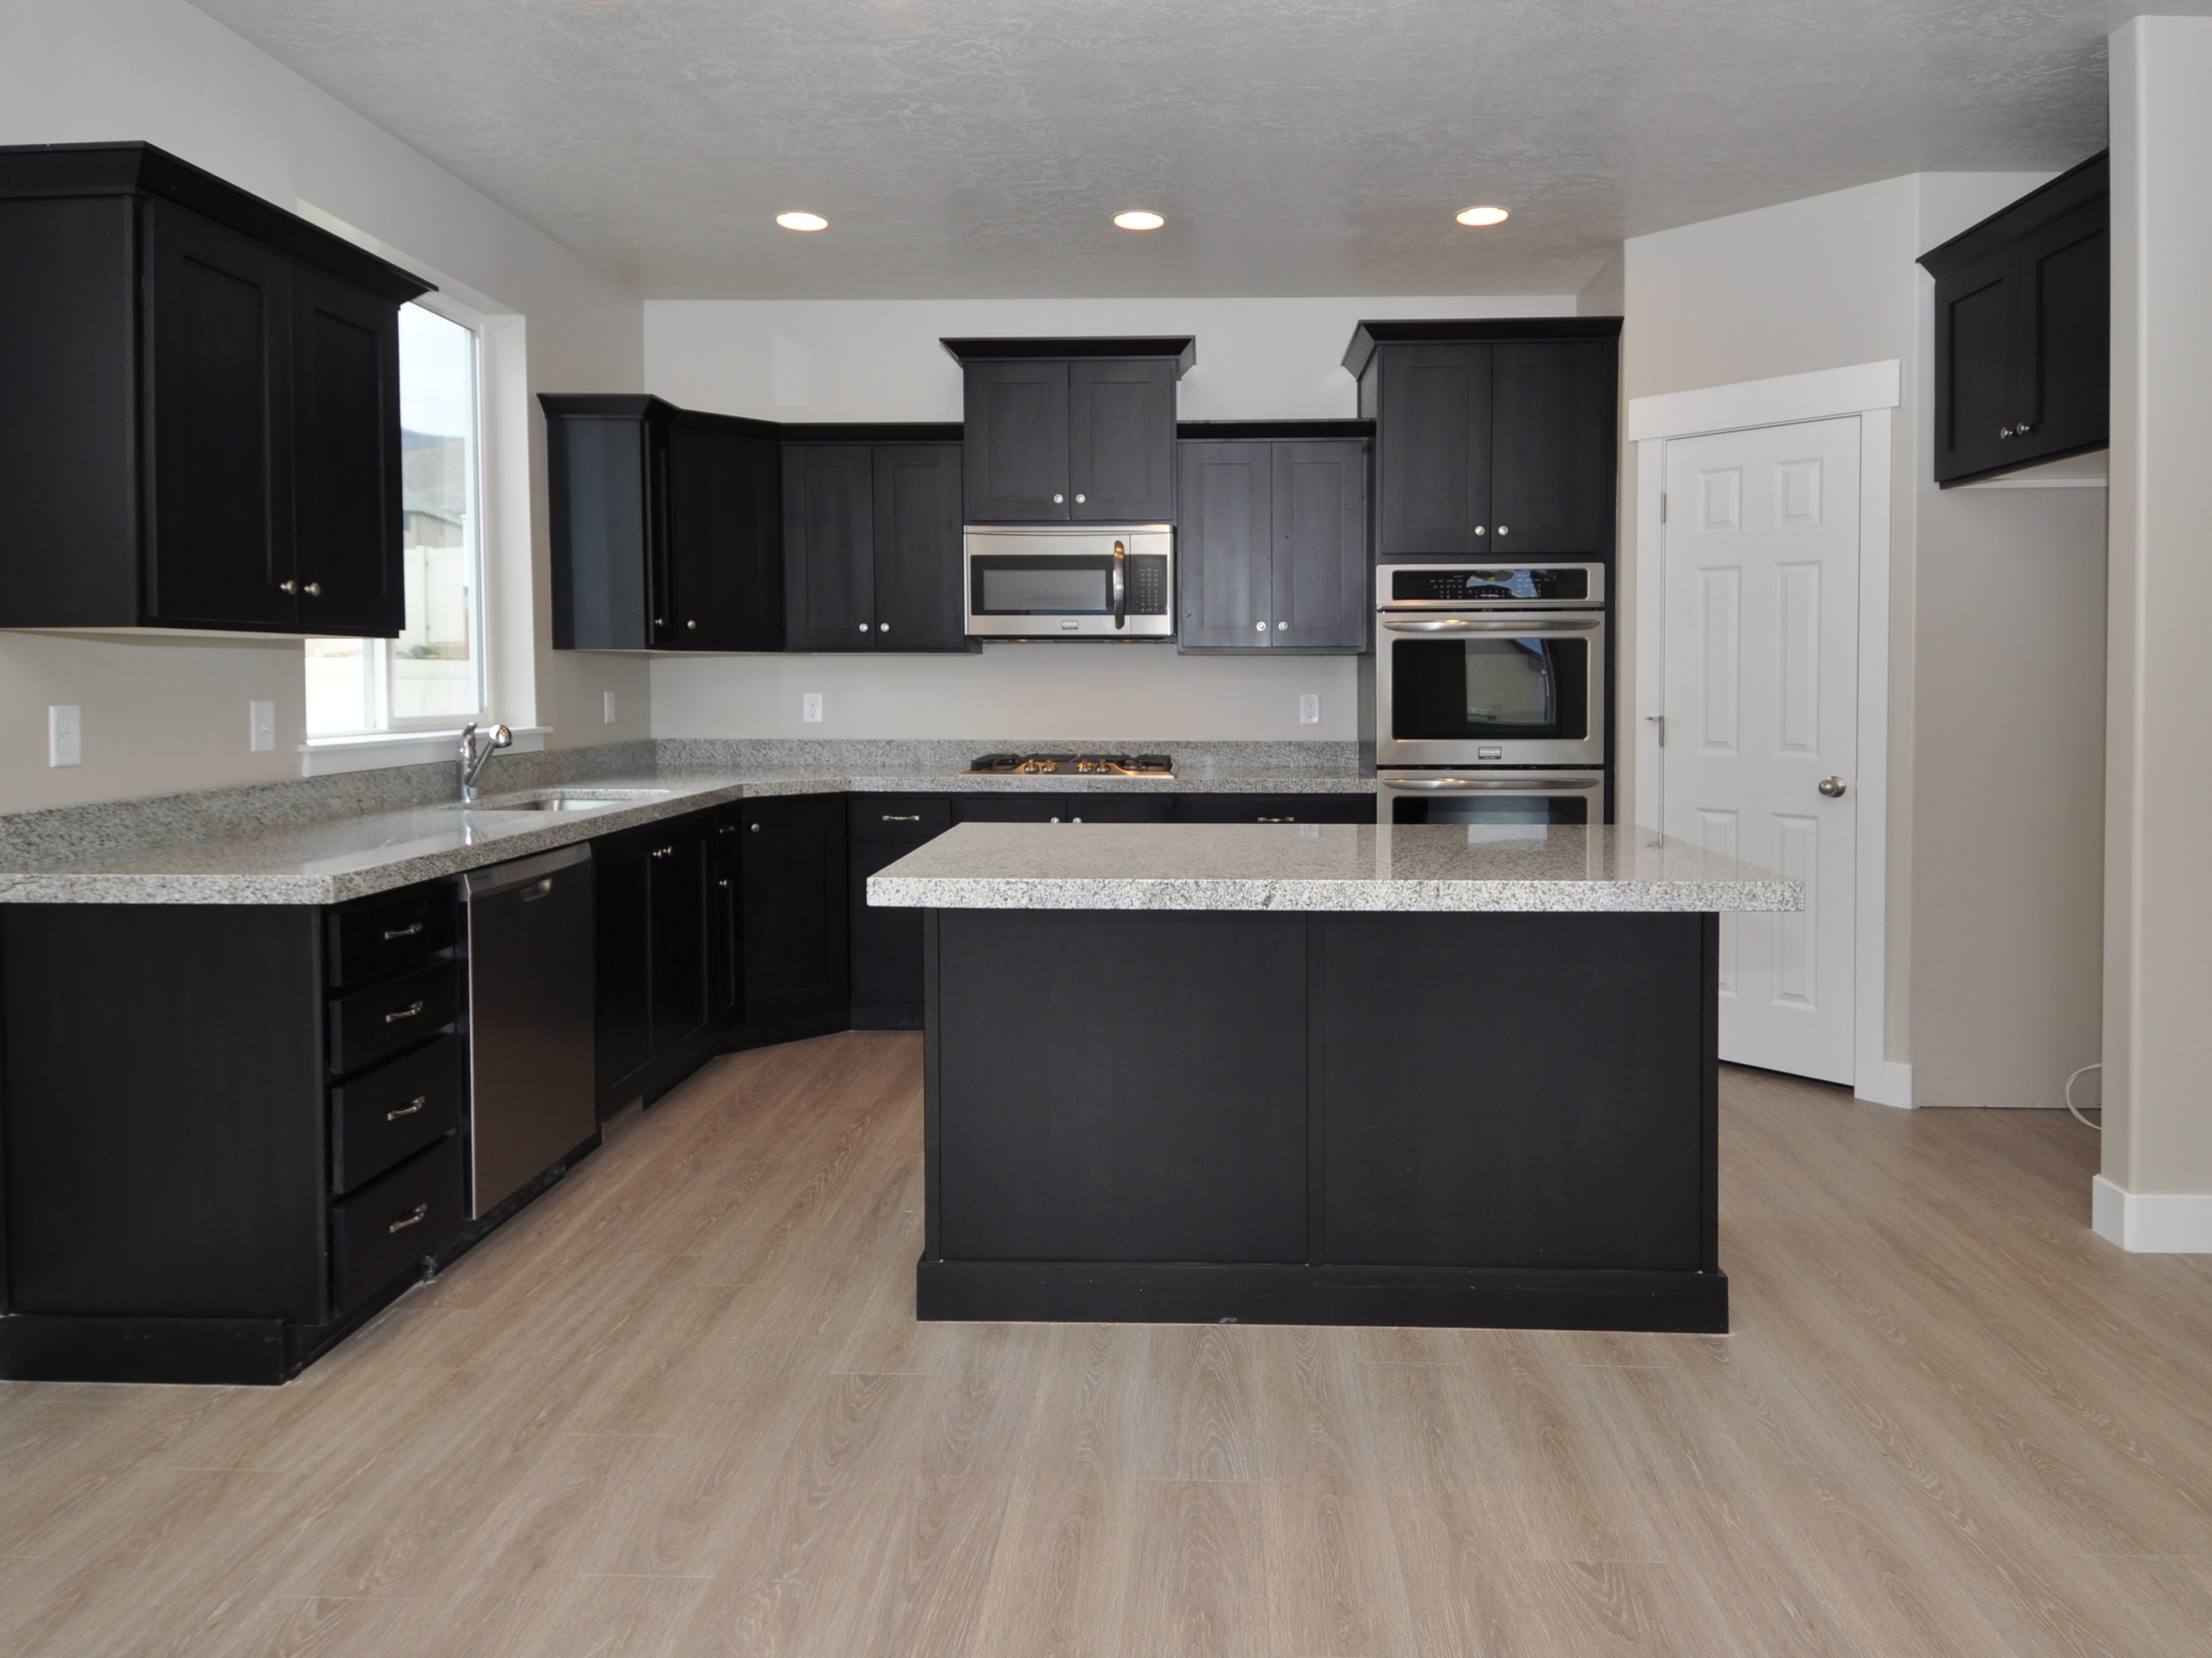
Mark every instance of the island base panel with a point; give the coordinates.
(1504, 1298)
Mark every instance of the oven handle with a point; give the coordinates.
(1488, 785)
(1499, 625)
(1121, 587)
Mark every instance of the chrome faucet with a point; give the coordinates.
(474, 759)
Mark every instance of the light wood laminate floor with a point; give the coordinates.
(681, 1406)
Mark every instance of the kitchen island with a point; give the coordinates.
(1411, 1074)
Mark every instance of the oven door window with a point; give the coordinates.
(1507, 815)
(1495, 686)
(1011, 584)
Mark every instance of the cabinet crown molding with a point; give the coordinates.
(1183, 347)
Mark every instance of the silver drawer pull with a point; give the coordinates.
(406, 1013)
(408, 931)
(724, 883)
(663, 851)
(408, 1109)
(413, 1217)
(902, 817)
(1278, 820)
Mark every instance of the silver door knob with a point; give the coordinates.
(313, 589)
(1482, 529)
(1833, 787)
(1056, 500)
(1078, 499)
(2004, 431)
(864, 627)
(1503, 531)
(288, 585)
(693, 623)
(1260, 627)
(883, 626)
(2022, 429)
(1282, 626)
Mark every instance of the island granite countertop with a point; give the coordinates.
(1319, 866)
(332, 859)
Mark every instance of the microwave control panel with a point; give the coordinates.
(1148, 584)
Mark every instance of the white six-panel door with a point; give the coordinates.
(1761, 652)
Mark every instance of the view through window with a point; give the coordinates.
(432, 675)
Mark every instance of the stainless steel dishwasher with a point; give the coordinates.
(529, 1019)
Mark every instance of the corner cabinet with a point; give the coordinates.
(1078, 430)
(872, 544)
(2023, 330)
(202, 424)
(666, 527)
(1496, 437)
(1273, 540)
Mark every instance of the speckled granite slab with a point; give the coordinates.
(334, 839)
(1320, 866)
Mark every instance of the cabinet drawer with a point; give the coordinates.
(374, 1024)
(1275, 809)
(900, 816)
(394, 1111)
(379, 1233)
(380, 935)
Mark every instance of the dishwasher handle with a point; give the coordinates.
(524, 873)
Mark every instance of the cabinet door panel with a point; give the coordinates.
(1014, 463)
(596, 472)
(1433, 435)
(622, 915)
(2065, 277)
(1121, 437)
(919, 604)
(795, 947)
(725, 554)
(726, 926)
(347, 509)
(1976, 337)
(1552, 444)
(681, 975)
(886, 943)
(219, 419)
(1321, 560)
(1227, 545)
(829, 546)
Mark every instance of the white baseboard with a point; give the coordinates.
(2151, 1222)
(1891, 1084)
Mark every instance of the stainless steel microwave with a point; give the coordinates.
(1070, 581)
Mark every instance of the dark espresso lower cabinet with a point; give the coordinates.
(887, 943)
(795, 949)
(657, 998)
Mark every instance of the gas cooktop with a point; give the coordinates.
(1077, 765)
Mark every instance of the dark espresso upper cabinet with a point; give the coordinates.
(203, 408)
(872, 545)
(1495, 437)
(1273, 540)
(1078, 430)
(666, 527)
(2023, 325)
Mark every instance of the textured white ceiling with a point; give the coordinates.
(1298, 147)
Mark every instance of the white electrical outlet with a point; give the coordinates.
(1309, 710)
(64, 734)
(606, 708)
(261, 727)
(810, 707)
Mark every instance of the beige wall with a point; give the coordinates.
(1829, 282)
(161, 715)
(868, 359)
(2158, 931)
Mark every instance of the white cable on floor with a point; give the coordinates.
(2074, 1108)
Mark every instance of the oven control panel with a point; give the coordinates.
(1147, 578)
(1464, 585)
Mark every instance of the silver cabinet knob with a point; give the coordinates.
(1056, 500)
(288, 585)
(1503, 531)
(1482, 529)
(1282, 626)
(754, 826)
(1260, 627)
(2022, 429)
(864, 627)
(313, 589)
(693, 623)
(2004, 431)
(1078, 499)
(1833, 787)
(883, 626)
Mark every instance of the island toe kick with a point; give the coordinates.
(1503, 1119)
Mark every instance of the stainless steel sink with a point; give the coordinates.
(561, 800)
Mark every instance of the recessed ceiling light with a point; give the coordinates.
(802, 222)
(1139, 220)
(1481, 215)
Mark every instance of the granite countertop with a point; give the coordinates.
(331, 860)
(1320, 866)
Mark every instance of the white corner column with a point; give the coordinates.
(2155, 1192)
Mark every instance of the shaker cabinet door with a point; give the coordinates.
(724, 541)
(218, 319)
(1226, 542)
(1551, 467)
(1016, 442)
(1321, 563)
(828, 547)
(347, 506)
(918, 603)
(1121, 437)
(1977, 339)
(2063, 396)
(1433, 435)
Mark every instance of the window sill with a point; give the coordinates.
(321, 757)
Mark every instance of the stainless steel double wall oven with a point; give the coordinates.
(1490, 693)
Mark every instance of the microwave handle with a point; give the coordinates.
(1548, 624)
(1120, 587)
(1488, 785)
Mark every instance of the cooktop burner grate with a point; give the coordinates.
(1073, 765)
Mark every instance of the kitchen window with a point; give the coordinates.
(432, 677)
